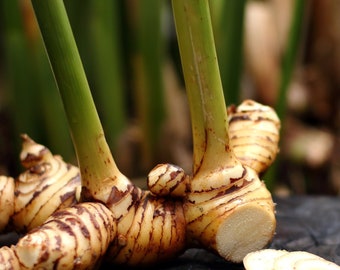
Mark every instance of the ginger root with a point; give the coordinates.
(223, 204)
(48, 184)
(254, 134)
(76, 237)
(6, 200)
(215, 208)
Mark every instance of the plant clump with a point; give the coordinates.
(214, 209)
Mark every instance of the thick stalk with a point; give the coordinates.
(98, 169)
(227, 200)
(54, 124)
(203, 84)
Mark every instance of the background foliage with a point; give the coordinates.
(131, 58)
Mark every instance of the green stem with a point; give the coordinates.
(93, 153)
(53, 122)
(203, 82)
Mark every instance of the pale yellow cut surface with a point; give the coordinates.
(288, 260)
(263, 259)
(271, 259)
(315, 264)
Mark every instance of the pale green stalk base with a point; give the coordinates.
(228, 209)
(98, 169)
(203, 83)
